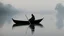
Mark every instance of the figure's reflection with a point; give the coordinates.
(60, 15)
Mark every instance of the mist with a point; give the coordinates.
(60, 15)
(6, 13)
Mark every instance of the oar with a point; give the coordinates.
(29, 24)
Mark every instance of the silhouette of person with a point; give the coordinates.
(60, 15)
(32, 18)
(32, 26)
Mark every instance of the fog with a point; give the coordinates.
(60, 15)
(6, 13)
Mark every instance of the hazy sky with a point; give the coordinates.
(40, 8)
(33, 5)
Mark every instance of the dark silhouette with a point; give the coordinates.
(60, 15)
(31, 22)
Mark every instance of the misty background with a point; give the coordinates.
(51, 10)
(60, 15)
(7, 11)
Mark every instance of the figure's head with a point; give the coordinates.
(32, 15)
